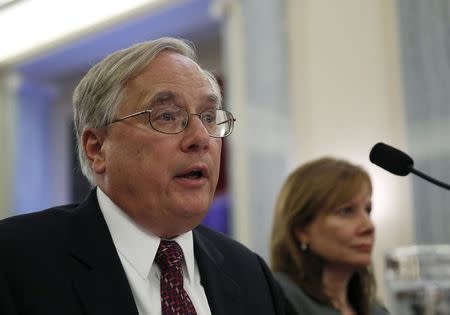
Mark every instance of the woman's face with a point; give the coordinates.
(345, 235)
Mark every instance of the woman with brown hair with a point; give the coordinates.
(322, 240)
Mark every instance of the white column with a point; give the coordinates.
(9, 82)
(256, 92)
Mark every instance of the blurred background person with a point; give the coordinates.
(322, 239)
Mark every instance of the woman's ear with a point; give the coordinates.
(302, 235)
(92, 140)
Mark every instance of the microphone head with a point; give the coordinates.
(391, 159)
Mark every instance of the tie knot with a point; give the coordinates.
(169, 255)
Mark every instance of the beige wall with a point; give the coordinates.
(346, 93)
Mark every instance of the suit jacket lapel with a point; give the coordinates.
(99, 278)
(222, 292)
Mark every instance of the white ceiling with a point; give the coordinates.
(78, 47)
(29, 25)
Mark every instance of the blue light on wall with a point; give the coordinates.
(33, 130)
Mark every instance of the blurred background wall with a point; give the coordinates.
(304, 78)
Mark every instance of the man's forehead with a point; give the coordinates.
(160, 96)
(168, 61)
(167, 94)
(171, 76)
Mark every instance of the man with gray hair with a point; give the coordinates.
(149, 125)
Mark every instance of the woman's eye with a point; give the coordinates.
(344, 211)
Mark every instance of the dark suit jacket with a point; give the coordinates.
(299, 303)
(63, 261)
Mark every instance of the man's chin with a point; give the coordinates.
(194, 204)
(193, 212)
(189, 219)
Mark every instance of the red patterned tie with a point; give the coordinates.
(174, 299)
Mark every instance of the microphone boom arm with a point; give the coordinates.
(430, 179)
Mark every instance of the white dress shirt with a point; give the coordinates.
(137, 250)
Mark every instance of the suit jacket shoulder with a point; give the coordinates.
(234, 277)
(62, 261)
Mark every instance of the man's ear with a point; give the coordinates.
(92, 141)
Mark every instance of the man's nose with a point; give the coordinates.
(196, 136)
(197, 119)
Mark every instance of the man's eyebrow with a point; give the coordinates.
(213, 98)
(160, 97)
(163, 96)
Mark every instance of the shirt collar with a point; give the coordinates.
(137, 246)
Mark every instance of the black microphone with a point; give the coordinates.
(398, 163)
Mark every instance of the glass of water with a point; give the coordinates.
(418, 280)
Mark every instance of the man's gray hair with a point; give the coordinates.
(99, 94)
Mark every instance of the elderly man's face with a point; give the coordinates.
(165, 182)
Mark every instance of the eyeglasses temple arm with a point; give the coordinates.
(226, 121)
(131, 115)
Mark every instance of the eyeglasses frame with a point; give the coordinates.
(149, 111)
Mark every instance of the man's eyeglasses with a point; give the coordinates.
(172, 119)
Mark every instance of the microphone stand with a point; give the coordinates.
(430, 179)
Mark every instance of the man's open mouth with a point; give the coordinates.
(194, 174)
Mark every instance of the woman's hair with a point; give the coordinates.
(317, 186)
(99, 94)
